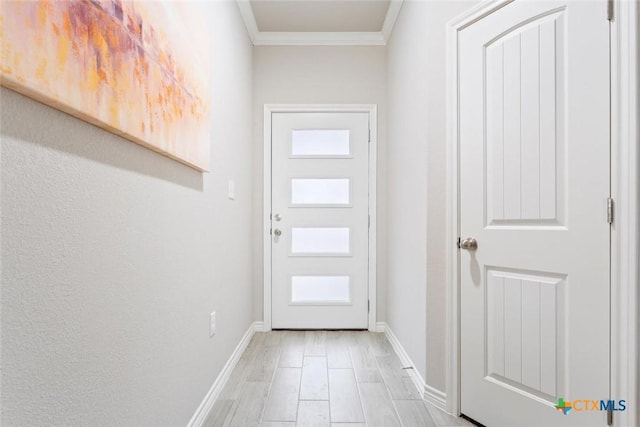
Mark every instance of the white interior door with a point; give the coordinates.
(320, 215)
(534, 182)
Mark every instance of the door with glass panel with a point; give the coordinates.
(320, 216)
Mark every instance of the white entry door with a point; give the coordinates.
(320, 209)
(534, 182)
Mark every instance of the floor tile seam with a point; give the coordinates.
(386, 387)
(364, 414)
(384, 380)
(266, 402)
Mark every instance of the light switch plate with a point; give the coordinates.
(212, 324)
(232, 189)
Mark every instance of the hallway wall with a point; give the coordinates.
(416, 306)
(318, 75)
(113, 257)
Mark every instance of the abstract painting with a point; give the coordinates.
(140, 69)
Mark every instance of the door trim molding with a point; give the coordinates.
(625, 166)
(269, 109)
(625, 190)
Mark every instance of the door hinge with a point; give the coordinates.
(610, 210)
(369, 221)
(369, 136)
(458, 242)
(610, 10)
(609, 417)
(271, 231)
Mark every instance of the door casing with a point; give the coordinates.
(372, 111)
(625, 190)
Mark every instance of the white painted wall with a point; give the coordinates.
(416, 306)
(318, 75)
(113, 256)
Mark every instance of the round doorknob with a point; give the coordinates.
(277, 232)
(469, 244)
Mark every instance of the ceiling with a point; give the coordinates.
(320, 15)
(319, 22)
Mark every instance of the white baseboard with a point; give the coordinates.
(205, 407)
(436, 397)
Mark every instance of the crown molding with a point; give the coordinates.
(390, 19)
(277, 38)
(249, 19)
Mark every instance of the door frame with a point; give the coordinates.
(372, 111)
(625, 190)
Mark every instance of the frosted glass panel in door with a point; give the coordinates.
(321, 240)
(327, 289)
(320, 143)
(320, 191)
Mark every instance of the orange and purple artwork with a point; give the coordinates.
(140, 69)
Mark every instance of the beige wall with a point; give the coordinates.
(113, 256)
(416, 67)
(318, 75)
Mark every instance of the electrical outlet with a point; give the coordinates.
(212, 324)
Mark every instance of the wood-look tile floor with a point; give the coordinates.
(322, 378)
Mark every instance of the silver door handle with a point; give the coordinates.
(469, 244)
(277, 217)
(277, 232)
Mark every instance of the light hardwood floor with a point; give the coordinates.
(323, 378)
